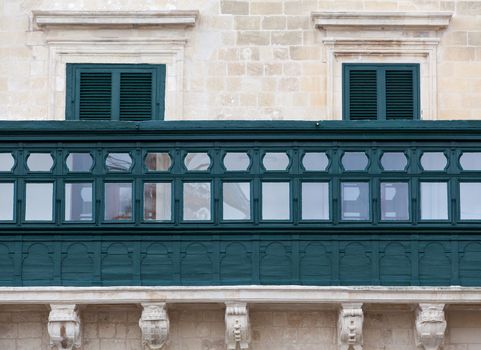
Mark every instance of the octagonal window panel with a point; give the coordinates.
(354, 161)
(315, 161)
(158, 161)
(236, 161)
(275, 161)
(120, 162)
(6, 162)
(40, 162)
(471, 161)
(434, 161)
(79, 162)
(394, 161)
(197, 161)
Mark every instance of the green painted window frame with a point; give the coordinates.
(381, 69)
(73, 86)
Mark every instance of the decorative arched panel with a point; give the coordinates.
(77, 266)
(276, 265)
(315, 265)
(236, 264)
(117, 266)
(156, 267)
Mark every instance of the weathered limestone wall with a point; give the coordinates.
(201, 327)
(245, 59)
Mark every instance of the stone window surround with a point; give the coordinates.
(381, 37)
(88, 45)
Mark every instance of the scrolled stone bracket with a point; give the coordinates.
(154, 325)
(430, 326)
(350, 322)
(237, 324)
(64, 327)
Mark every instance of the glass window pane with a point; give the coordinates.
(158, 201)
(197, 201)
(275, 161)
(394, 201)
(118, 162)
(470, 204)
(79, 162)
(7, 201)
(471, 161)
(434, 201)
(394, 161)
(39, 201)
(158, 161)
(236, 200)
(40, 162)
(315, 201)
(236, 161)
(197, 161)
(315, 161)
(118, 201)
(276, 201)
(78, 201)
(355, 201)
(354, 161)
(434, 161)
(6, 162)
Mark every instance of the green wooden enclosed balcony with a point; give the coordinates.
(209, 203)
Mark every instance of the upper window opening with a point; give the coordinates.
(118, 92)
(381, 91)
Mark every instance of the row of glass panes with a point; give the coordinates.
(240, 161)
(236, 201)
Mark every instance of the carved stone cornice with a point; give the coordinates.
(430, 326)
(237, 326)
(64, 327)
(350, 322)
(154, 324)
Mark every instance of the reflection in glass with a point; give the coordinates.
(275, 161)
(394, 201)
(394, 161)
(315, 201)
(276, 201)
(6, 201)
(236, 161)
(434, 201)
(197, 161)
(236, 201)
(40, 162)
(6, 162)
(470, 203)
(158, 161)
(158, 201)
(118, 162)
(471, 161)
(79, 162)
(355, 200)
(78, 201)
(118, 201)
(354, 161)
(197, 201)
(39, 201)
(315, 161)
(432, 161)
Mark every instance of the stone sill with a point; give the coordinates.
(113, 19)
(381, 20)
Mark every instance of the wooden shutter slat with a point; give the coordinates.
(399, 94)
(136, 96)
(95, 96)
(363, 94)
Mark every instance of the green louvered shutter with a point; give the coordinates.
(363, 95)
(95, 96)
(136, 96)
(400, 101)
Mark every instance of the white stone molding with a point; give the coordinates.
(430, 326)
(154, 324)
(349, 328)
(109, 19)
(237, 326)
(64, 327)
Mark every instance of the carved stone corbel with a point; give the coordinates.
(237, 326)
(154, 324)
(350, 323)
(64, 327)
(430, 326)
